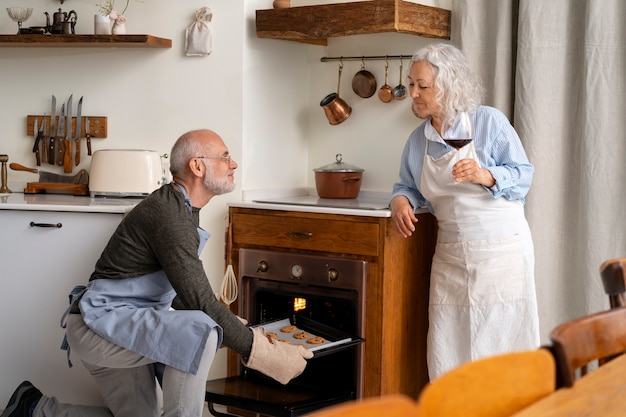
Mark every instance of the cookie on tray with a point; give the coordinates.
(288, 329)
(316, 340)
(300, 335)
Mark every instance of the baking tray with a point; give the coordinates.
(334, 340)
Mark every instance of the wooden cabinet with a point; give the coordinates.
(397, 281)
(43, 256)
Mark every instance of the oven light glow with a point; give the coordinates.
(299, 304)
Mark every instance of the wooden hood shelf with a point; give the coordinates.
(314, 24)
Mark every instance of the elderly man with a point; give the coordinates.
(122, 326)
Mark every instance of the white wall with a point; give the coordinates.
(261, 95)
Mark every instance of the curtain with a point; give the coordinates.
(567, 60)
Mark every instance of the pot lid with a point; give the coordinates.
(338, 166)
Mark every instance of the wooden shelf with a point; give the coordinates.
(314, 24)
(90, 41)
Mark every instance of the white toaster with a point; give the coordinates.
(125, 173)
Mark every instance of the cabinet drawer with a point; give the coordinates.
(337, 236)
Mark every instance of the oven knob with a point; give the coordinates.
(333, 274)
(263, 267)
(296, 271)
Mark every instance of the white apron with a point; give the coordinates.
(482, 289)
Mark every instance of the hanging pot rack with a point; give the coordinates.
(364, 58)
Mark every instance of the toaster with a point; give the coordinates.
(125, 173)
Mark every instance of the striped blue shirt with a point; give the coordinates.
(498, 148)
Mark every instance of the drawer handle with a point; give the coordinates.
(57, 225)
(300, 235)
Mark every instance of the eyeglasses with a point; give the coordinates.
(226, 158)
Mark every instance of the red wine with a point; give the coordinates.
(457, 143)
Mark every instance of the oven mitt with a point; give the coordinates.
(198, 34)
(278, 360)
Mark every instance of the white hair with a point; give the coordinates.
(459, 88)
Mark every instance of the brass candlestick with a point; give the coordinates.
(4, 189)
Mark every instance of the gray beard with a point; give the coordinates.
(215, 185)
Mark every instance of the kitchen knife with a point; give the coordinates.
(39, 135)
(77, 132)
(67, 143)
(50, 177)
(43, 142)
(88, 136)
(58, 140)
(50, 148)
(36, 147)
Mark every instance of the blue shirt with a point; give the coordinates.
(498, 148)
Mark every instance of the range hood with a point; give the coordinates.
(314, 24)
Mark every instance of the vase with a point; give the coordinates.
(101, 25)
(119, 26)
(281, 4)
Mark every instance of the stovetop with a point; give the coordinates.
(360, 203)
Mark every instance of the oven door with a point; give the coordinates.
(270, 292)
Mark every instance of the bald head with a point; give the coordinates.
(191, 145)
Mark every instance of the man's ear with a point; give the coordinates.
(197, 167)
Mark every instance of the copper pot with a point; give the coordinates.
(338, 180)
(385, 93)
(364, 83)
(335, 108)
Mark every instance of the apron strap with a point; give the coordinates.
(74, 296)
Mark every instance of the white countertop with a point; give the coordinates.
(251, 199)
(62, 202)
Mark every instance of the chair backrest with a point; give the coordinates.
(496, 386)
(579, 342)
(613, 273)
(393, 405)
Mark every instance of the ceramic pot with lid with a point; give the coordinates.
(338, 180)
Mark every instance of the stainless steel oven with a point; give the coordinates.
(327, 292)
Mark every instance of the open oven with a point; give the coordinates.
(322, 295)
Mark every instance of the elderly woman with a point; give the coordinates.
(482, 290)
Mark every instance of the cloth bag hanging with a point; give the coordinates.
(198, 37)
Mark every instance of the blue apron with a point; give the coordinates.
(135, 313)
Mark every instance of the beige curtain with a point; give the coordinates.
(564, 64)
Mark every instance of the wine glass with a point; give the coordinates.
(462, 132)
(19, 15)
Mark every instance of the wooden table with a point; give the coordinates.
(601, 393)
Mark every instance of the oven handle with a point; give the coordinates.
(300, 235)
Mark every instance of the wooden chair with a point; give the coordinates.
(613, 273)
(580, 342)
(395, 405)
(495, 386)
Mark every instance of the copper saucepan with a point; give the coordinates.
(385, 94)
(336, 109)
(364, 82)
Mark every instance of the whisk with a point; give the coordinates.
(228, 290)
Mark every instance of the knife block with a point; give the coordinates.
(97, 126)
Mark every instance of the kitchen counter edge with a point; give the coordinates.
(68, 203)
(316, 209)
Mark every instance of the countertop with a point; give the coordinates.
(61, 202)
(252, 198)
(366, 200)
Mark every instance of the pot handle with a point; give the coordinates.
(355, 179)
